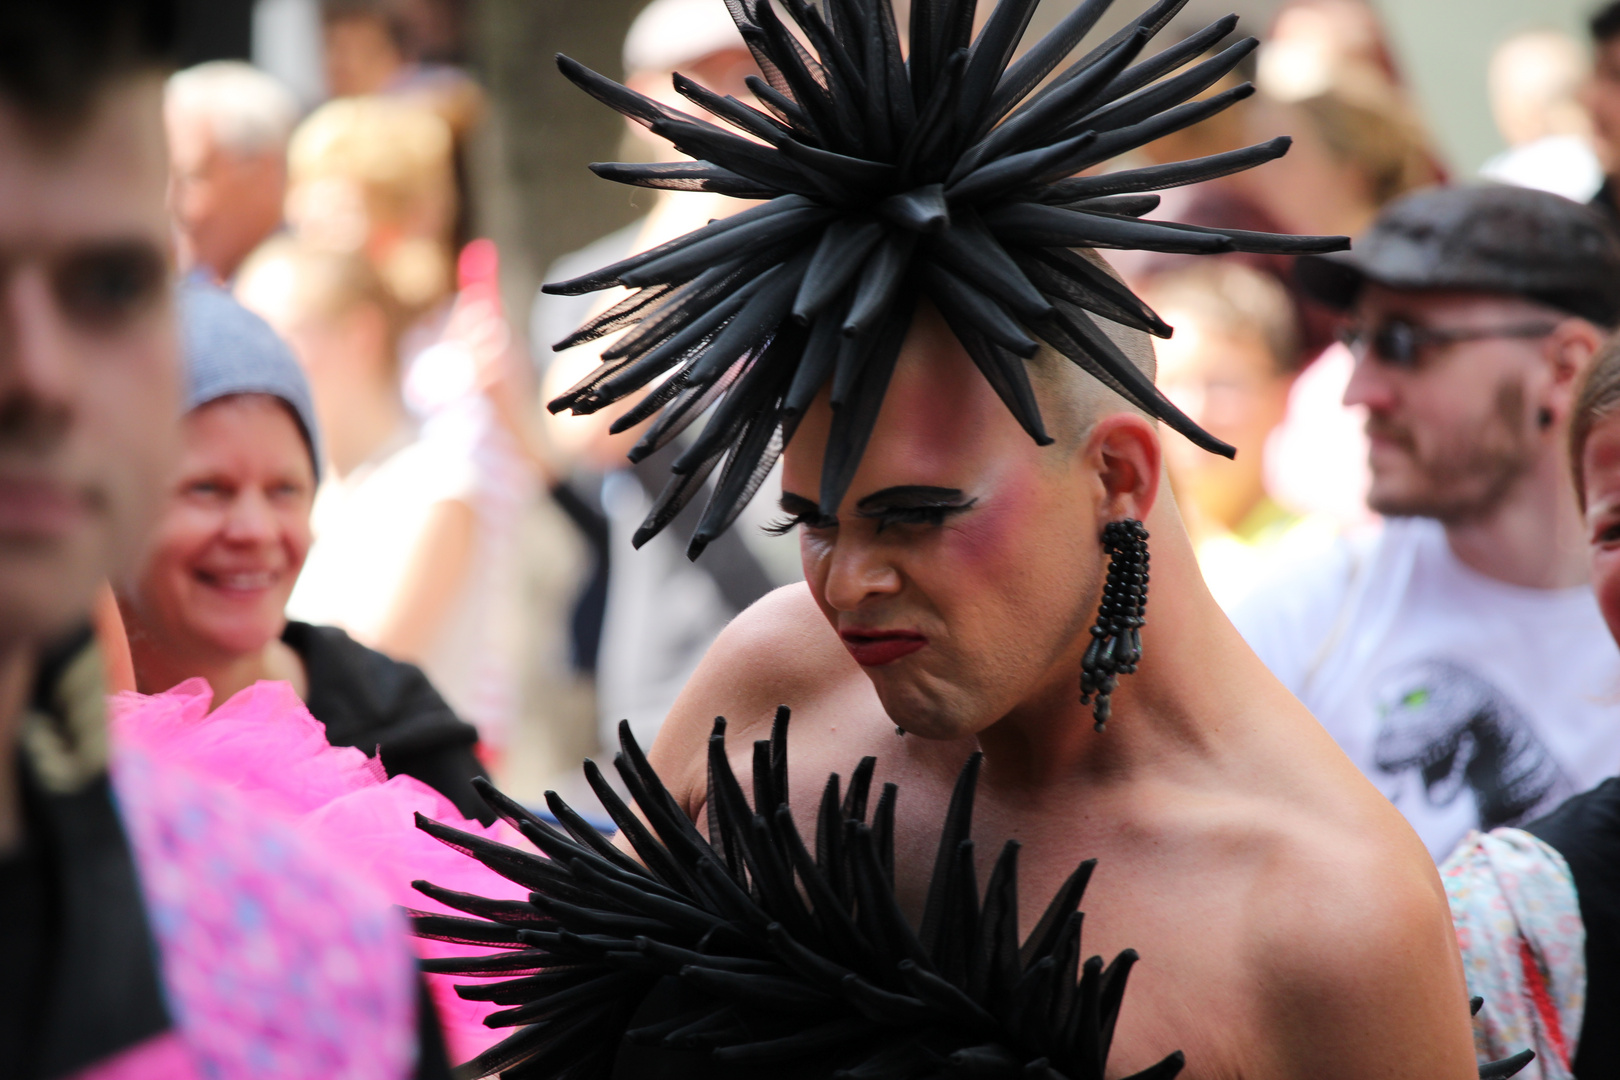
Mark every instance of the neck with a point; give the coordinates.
(1535, 538)
(1197, 682)
(158, 668)
(358, 420)
(16, 670)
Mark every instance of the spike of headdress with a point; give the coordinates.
(938, 170)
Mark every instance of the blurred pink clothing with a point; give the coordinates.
(277, 963)
(264, 743)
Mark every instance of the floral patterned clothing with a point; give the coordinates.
(1523, 945)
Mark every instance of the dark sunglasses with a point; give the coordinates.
(1398, 343)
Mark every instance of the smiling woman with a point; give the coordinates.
(209, 597)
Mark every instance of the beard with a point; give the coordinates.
(1465, 476)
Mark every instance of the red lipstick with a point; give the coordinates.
(879, 647)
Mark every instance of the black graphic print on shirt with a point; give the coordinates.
(1459, 732)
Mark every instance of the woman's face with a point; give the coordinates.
(1600, 461)
(235, 532)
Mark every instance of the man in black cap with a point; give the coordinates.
(1456, 653)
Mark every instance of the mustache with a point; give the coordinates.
(1378, 427)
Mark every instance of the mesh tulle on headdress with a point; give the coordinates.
(938, 171)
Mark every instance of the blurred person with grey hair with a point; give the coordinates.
(1535, 80)
(228, 126)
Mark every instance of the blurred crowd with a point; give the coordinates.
(1398, 536)
(348, 227)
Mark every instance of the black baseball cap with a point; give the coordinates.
(1490, 238)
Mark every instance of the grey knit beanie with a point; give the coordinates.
(230, 350)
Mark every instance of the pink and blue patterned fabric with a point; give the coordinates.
(277, 964)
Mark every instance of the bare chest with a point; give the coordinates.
(1159, 891)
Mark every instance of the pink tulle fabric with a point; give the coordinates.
(277, 962)
(265, 744)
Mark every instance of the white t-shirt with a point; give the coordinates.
(367, 526)
(1470, 703)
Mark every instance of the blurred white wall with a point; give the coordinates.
(287, 44)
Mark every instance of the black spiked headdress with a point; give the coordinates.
(938, 171)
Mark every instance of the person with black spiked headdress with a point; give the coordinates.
(915, 321)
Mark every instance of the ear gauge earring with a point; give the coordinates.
(1116, 639)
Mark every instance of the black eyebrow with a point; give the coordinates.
(911, 497)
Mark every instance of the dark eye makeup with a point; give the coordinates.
(911, 504)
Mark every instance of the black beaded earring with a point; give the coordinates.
(1116, 639)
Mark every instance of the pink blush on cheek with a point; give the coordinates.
(995, 533)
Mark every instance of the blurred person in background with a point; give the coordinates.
(400, 49)
(1536, 78)
(649, 614)
(155, 924)
(228, 124)
(1456, 654)
(1314, 46)
(409, 555)
(373, 175)
(1230, 365)
(1326, 76)
(209, 597)
(1538, 908)
(1601, 96)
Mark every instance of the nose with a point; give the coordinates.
(1370, 385)
(250, 519)
(857, 571)
(38, 363)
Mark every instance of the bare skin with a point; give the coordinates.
(1291, 924)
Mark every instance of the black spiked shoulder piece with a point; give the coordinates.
(941, 169)
(749, 953)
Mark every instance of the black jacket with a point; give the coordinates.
(377, 704)
(1586, 832)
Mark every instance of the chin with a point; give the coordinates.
(932, 712)
(237, 639)
(42, 600)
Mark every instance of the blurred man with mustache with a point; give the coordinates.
(1457, 654)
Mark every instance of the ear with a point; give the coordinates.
(1568, 351)
(1124, 450)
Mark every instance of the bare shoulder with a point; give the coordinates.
(779, 650)
(1353, 942)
